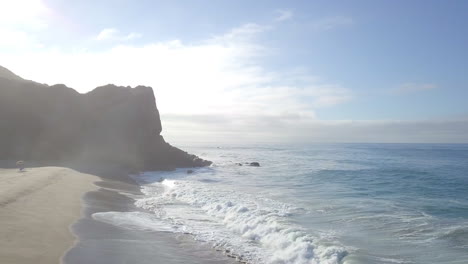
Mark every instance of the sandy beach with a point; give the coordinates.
(37, 208)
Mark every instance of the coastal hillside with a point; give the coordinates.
(111, 123)
(7, 74)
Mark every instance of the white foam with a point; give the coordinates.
(253, 228)
(134, 220)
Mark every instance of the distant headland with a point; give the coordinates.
(113, 124)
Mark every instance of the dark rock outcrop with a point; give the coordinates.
(254, 164)
(109, 124)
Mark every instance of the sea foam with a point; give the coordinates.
(251, 228)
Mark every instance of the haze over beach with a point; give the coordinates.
(259, 132)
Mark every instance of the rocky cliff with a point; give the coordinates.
(109, 124)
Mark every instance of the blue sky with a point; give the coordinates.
(333, 71)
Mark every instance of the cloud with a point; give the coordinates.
(215, 89)
(330, 23)
(218, 89)
(107, 33)
(220, 75)
(329, 95)
(21, 21)
(245, 35)
(114, 34)
(284, 14)
(14, 39)
(133, 35)
(414, 87)
(300, 129)
(24, 14)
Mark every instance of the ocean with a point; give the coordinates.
(310, 203)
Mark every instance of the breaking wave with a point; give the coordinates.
(251, 228)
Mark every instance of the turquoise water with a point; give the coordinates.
(337, 203)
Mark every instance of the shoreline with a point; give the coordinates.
(103, 243)
(46, 217)
(37, 208)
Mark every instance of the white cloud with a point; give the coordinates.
(107, 33)
(284, 14)
(244, 35)
(15, 38)
(218, 90)
(133, 35)
(114, 34)
(414, 87)
(299, 129)
(332, 23)
(20, 23)
(329, 95)
(220, 76)
(215, 89)
(24, 14)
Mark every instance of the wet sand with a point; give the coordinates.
(103, 243)
(46, 218)
(37, 208)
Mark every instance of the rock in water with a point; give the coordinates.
(254, 164)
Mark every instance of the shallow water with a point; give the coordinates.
(104, 243)
(341, 203)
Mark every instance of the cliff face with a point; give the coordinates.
(109, 124)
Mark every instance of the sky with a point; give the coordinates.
(260, 71)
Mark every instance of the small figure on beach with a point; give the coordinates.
(20, 165)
